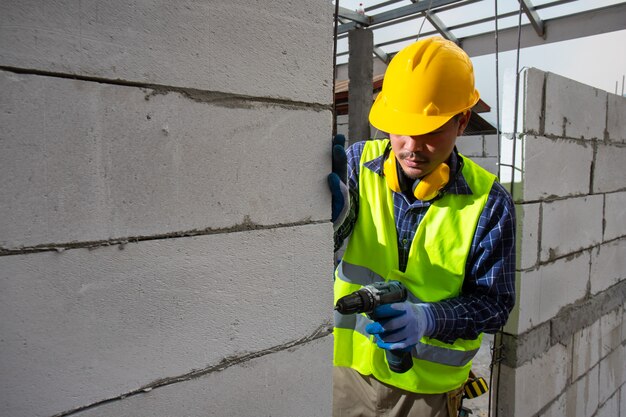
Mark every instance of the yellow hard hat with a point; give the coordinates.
(425, 85)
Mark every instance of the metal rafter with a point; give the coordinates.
(411, 9)
(354, 16)
(440, 26)
(534, 18)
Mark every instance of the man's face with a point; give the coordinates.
(420, 155)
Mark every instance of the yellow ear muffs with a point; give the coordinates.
(391, 173)
(424, 189)
(428, 187)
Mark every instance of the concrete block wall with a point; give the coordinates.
(165, 237)
(564, 348)
(482, 149)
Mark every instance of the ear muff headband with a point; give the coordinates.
(424, 189)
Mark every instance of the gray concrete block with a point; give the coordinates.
(183, 44)
(616, 118)
(614, 215)
(519, 349)
(611, 331)
(582, 396)
(85, 161)
(528, 220)
(586, 347)
(471, 146)
(530, 388)
(564, 115)
(294, 382)
(622, 404)
(608, 265)
(612, 373)
(547, 290)
(533, 105)
(571, 225)
(609, 173)
(610, 408)
(556, 168)
(84, 325)
(557, 408)
(490, 164)
(490, 143)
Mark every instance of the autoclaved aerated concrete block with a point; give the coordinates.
(534, 84)
(85, 161)
(471, 146)
(608, 265)
(184, 44)
(586, 346)
(570, 225)
(611, 331)
(85, 325)
(527, 233)
(612, 373)
(609, 173)
(530, 387)
(582, 395)
(565, 116)
(615, 215)
(547, 289)
(555, 167)
(616, 114)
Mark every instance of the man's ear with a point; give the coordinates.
(463, 122)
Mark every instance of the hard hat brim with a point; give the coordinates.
(392, 121)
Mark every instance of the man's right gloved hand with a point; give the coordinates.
(337, 181)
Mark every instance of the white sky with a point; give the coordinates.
(599, 61)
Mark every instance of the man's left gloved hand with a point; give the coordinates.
(337, 181)
(399, 326)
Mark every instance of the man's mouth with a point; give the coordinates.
(412, 158)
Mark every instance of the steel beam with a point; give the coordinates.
(400, 12)
(440, 26)
(354, 16)
(534, 18)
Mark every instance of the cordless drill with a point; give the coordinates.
(365, 300)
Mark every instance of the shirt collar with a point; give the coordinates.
(458, 185)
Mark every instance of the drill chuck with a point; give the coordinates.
(371, 296)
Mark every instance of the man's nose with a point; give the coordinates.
(414, 143)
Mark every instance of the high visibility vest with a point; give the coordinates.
(435, 272)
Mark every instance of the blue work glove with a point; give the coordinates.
(337, 181)
(399, 326)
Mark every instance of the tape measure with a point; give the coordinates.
(475, 387)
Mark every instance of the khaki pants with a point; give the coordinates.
(356, 395)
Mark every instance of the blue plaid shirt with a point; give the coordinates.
(488, 292)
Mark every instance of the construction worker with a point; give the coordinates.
(414, 210)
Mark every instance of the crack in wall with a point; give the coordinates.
(217, 98)
(246, 225)
(321, 331)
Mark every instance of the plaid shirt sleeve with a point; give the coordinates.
(353, 155)
(488, 292)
